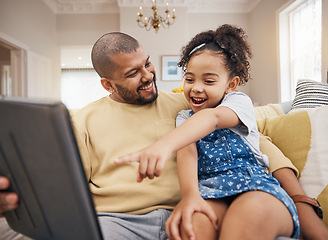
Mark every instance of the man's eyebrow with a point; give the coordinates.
(147, 60)
(133, 69)
(128, 72)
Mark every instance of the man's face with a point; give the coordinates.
(134, 79)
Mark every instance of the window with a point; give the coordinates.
(301, 45)
(80, 87)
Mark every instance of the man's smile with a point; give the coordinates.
(147, 86)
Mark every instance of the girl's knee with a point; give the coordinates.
(200, 220)
(202, 227)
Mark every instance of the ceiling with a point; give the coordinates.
(113, 6)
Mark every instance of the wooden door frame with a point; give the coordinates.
(18, 64)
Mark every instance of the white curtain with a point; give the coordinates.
(305, 41)
(80, 87)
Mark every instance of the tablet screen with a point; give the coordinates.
(39, 154)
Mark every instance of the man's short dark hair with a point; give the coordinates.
(106, 47)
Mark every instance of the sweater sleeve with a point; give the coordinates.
(277, 159)
(81, 140)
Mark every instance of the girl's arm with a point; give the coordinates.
(191, 200)
(187, 170)
(152, 158)
(201, 124)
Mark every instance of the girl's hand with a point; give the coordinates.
(184, 212)
(151, 160)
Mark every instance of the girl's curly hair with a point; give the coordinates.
(226, 40)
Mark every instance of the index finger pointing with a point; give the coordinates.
(127, 158)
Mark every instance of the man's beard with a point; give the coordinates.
(135, 98)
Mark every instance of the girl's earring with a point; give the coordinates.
(226, 92)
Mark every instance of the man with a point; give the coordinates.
(134, 115)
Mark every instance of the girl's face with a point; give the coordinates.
(206, 80)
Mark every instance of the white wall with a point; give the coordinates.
(84, 29)
(32, 23)
(263, 34)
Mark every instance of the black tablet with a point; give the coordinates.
(39, 154)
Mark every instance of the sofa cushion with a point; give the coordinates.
(303, 137)
(310, 94)
(269, 110)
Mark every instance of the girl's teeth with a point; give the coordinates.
(198, 100)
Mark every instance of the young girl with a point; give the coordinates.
(228, 193)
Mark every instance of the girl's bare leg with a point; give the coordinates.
(256, 215)
(202, 226)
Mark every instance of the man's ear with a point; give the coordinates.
(107, 85)
(233, 84)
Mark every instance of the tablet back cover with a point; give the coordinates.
(39, 154)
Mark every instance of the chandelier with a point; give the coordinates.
(156, 20)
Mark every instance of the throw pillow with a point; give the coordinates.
(302, 136)
(310, 94)
(269, 110)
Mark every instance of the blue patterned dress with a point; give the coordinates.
(228, 165)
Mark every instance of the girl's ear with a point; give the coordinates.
(233, 84)
(107, 85)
